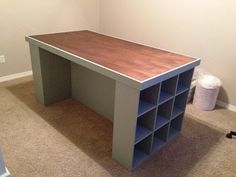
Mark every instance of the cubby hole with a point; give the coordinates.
(148, 99)
(142, 151)
(175, 125)
(160, 137)
(184, 81)
(163, 113)
(145, 125)
(168, 88)
(180, 104)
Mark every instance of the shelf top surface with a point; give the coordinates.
(133, 60)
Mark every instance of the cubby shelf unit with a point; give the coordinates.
(160, 115)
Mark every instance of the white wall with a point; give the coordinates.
(203, 28)
(19, 18)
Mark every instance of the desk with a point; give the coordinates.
(143, 90)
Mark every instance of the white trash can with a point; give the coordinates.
(206, 92)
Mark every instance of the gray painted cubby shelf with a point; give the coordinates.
(160, 115)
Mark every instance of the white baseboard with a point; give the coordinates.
(226, 105)
(15, 76)
(7, 174)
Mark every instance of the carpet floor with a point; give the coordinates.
(67, 139)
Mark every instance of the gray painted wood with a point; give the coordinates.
(2, 164)
(52, 76)
(93, 89)
(125, 119)
(37, 74)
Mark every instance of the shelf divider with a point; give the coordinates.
(158, 144)
(141, 133)
(160, 137)
(145, 125)
(164, 96)
(173, 133)
(175, 126)
(176, 111)
(184, 81)
(142, 151)
(181, 88)
(144, 107)
(160, 121)
(168, 88)
(139, 157)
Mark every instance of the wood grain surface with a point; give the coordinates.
(134, 60)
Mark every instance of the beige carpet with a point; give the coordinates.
(69, 140)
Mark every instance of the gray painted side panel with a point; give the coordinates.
(93, 89)
(56, 76)
(51, 76)
(37, 75)
(125, 118)
(2, 164)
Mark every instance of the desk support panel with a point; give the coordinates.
(93, 90)
(52, 76)
(124, 125)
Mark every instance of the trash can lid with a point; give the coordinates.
(209, 81)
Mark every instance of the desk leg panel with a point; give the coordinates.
(124, 125)
(93, 90)
(52, 76)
